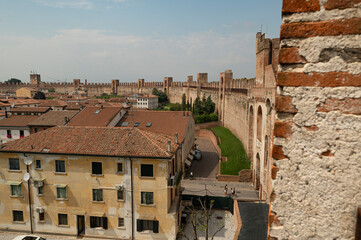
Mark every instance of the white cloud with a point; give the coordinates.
(101, 56)
(82, 4)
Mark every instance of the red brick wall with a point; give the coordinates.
(316, 149)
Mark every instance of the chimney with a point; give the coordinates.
(168, 146)
(176, 138)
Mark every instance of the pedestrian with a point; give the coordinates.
(233, 191)
(225, 189)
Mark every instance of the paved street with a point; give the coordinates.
(244, 191)
(207, 167)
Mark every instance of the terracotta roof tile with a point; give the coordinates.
(168, 122)
(89, 116)
(17, 120)
(29, 109)
(53, 118)
(52, 103)
(104, 141)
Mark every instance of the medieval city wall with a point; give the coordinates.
(317, 144)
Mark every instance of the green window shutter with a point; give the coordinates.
(155, 226)
(139, 225)
(105, 223)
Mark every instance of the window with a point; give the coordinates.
(41, 217)
(14, 164)
(120, 194)
(21, 133)
(146, 170)
(147, 198)
(36, 130)
(62, 219)
(37, 164)
(136, 124)
(8, 133)
(119, 167)
(59, 166)
(16, 190)
(18, 216)
(40, 190)
(143, 225)
(61, 191)
(97, 168)
(97, 195)
(120, 222)
(96, 222)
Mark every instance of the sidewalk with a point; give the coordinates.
(202, 187)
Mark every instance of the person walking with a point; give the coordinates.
(233, 191)
(225, 189)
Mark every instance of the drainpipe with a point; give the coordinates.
(132, 197)
(30, 211)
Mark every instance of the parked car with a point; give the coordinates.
(28, 237)
(198, 155)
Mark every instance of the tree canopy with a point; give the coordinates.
(13, 81)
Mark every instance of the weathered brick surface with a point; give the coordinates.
(277, 152)
(274, 172)
(284, 104)
(347, 105)
(290, 55)
(331, 79)
(282, 129)
(324, 28)
(312, 128)
(294, 6)
(340, 4)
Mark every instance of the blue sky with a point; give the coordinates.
(100, 40)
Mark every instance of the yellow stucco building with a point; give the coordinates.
(116, 183)
(25, 92)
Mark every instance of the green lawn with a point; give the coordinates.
(233, 149)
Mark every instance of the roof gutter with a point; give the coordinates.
(93, 155)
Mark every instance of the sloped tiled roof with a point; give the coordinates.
(29, 109)
(103, 141)
(168, 122)
(17, 120)
(52, 103)
(53, 118)
(95, 116)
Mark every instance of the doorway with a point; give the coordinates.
(80, 224)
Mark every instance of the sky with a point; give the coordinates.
(100, 40)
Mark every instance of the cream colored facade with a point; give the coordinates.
(79, 183)
(25, 92)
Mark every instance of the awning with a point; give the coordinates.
(187, 162)
(13, 183)
(193, 152)
(190, 157)
(60, 185)
(38, 179)
(97, 214)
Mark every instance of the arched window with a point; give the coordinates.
(250, 125)
(259, 124)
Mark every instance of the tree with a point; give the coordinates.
(184, 104)
(197, 107)
(200, 220)
(209, 105)
(155, 92)
(13, 81)
(39, 95)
